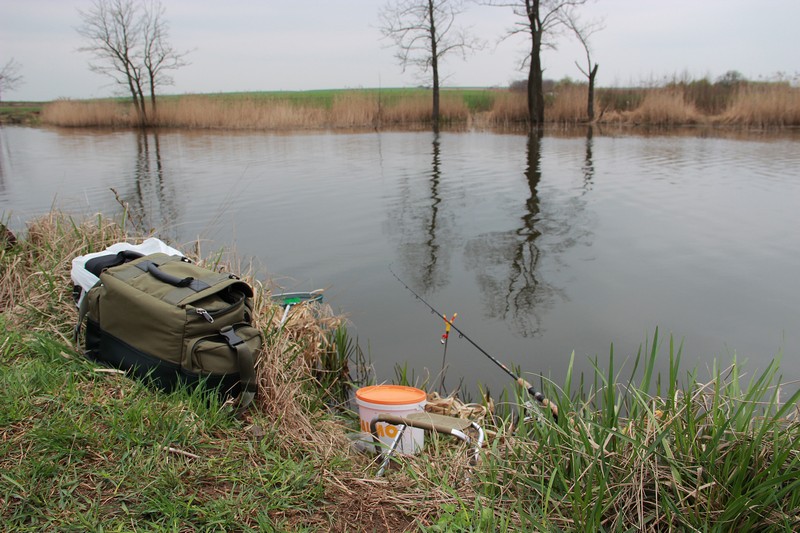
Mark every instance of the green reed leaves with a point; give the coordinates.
(700, 455)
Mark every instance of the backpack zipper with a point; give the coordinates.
(209, 315)
(205, 314)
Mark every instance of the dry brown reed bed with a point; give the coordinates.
(764, 106)
(751, 105)
(81, 114)
(664, 108)
(508, 108)
(36, 271)
(197, 112)
(568, 105)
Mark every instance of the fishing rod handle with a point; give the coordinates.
(539, 397)
(545, 402)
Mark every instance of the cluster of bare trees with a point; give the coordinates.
(424, 31)
(129, 42)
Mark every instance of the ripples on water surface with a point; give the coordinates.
(543, 246)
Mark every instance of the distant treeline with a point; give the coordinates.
(727, 101)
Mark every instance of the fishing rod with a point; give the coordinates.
(538, 396)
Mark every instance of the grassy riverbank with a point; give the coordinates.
(746, 104)
(81, 448)
(20, 112)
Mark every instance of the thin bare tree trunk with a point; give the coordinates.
(434, 67)
(590, 103)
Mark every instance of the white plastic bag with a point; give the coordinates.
(86, 280)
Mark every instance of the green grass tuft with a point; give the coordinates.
(81, 448)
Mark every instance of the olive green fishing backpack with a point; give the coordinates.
(162, 318)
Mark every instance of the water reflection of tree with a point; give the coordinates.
(424, 245)
(2, 162)
(508, 263)
(588, 161)
(431, 245)
(151, 200)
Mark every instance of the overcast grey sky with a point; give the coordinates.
(254, 45)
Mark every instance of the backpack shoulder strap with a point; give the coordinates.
(247, 372)
(83, 310)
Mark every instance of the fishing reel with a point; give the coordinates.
(526, 415)
(533, 414)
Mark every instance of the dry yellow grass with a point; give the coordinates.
(759, 105)
(364, 109)
(569, 105)
(417, 108)
(352, 110)
(205, 113)
(348, 110)
(70, 113)
(764, 106)
(509, 108)
(664, 107)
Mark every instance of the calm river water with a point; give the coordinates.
(543, 246)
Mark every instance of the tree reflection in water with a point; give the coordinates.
(588, 161)
(508, 264)
(423, 226)
(431, 244)
(2, 162)
(151, 200)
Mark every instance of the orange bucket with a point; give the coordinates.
(396, 400)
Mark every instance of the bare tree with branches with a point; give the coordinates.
(10, 78)
(159, 56)
(424, 32)
(543, 21)
(129, 42)
(583, 31)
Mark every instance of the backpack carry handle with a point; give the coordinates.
(152, 268)
(98, 264)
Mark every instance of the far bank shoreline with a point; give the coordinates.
(749, 105)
